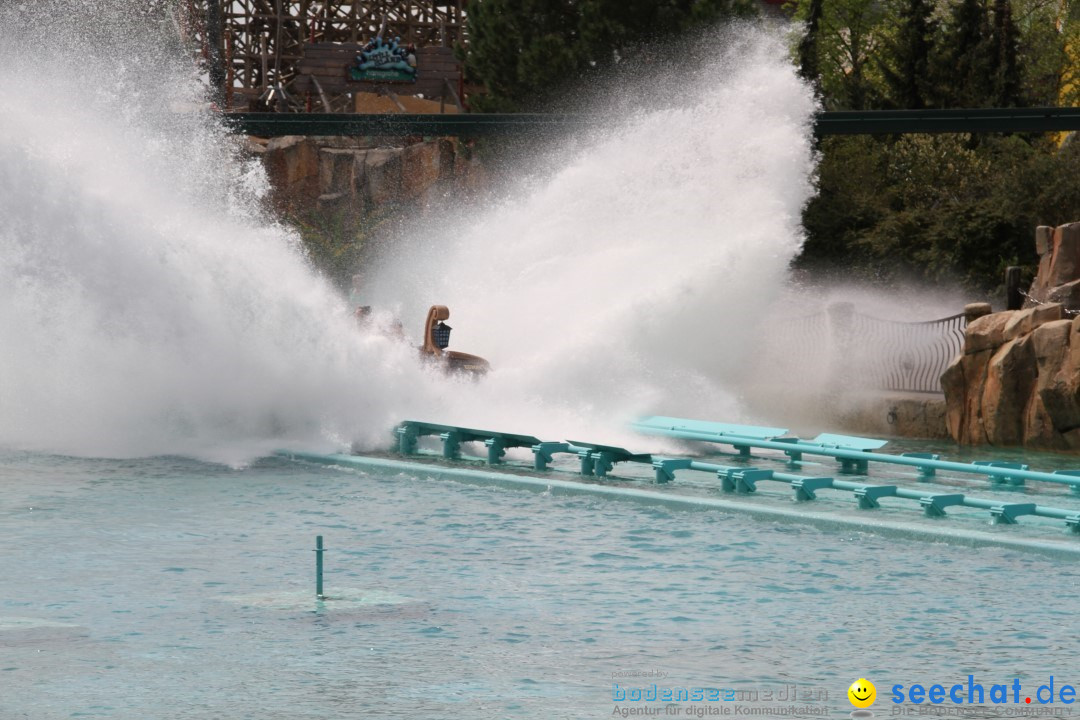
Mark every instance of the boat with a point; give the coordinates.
(437, 338)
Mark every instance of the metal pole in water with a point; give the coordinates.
(318, 568)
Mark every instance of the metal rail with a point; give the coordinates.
(597, 460)
(975, 120)
(848, 348)
(854, 459)
(876, 122)
(868, 496)
(904, 356)
(406, 124)
(472, 474)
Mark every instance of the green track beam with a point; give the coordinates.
(873, 122)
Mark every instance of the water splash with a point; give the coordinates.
(150, 307)
(630, 275)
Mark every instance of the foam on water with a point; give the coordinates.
(150, 306)
(339, 599)
(8, 623)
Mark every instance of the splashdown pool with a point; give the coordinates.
(167, 587)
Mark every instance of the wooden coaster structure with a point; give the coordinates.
(252, 49)
(323, 73)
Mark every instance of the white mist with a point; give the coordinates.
(147, 305)
(630, 275)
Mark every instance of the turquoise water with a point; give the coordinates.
(171, 588)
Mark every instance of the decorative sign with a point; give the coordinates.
(385, 62)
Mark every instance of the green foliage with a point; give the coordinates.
(933, 207)
(1044, 64)
(808, 45)
(906, 67)
(848, 203)
(522, 50)
(979, 64)
(1004, 49)
(954, 208)
(1069, 76)
(930, 207)
(965, 68)
(525, 52)
(847, 38)
(867, 54)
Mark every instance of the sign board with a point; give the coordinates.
(382, 61)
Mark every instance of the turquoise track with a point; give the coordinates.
(772, 507)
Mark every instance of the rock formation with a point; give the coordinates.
(1058, 279)
(339, 173)
(1018, 379)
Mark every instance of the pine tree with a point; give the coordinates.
(907, 74)
(1004, 50)
(808, 45)
(626, 23)
(525, 51)
(521, 50)
(964, 70)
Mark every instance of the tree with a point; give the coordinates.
(942, 207)
(521, 50)
(852, 54)
(808, 45)
(836, 51)
(964, 71)
(613, 25)
(525, 51)
(907, 72)
(1048, 30)
(1004, 41)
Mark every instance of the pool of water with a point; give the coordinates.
(170, 588)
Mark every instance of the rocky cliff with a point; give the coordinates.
(359, 174)
(1018, 379)
(1058, 279)
(347, 195)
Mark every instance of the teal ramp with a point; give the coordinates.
(848, 442)
(662, 425)
(452, 436)
(600, 459)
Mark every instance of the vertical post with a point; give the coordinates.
(974, 311)
(1014, 299)
(215, 29)
(282, 99)
(265, 57)
(228, 72)
(318, 568)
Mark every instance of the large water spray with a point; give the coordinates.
(148, 305)
(630, 274)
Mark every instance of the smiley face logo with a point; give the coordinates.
(862, 693)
